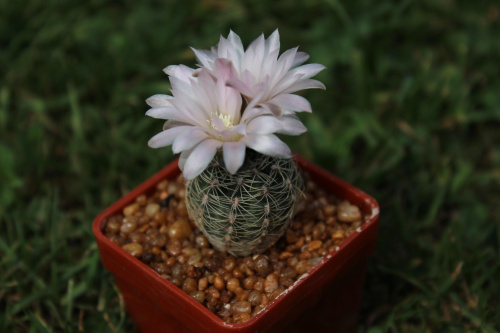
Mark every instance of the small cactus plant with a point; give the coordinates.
(248, 211)
(241, 181)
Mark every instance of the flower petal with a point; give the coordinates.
(250, 114)
(166, 138)
(264, 125)
(291, 125)
(181, 72)
(267, 145)
(272, 108)
(306, 84)
(188, 139)
(285, 61)
(173, 123)
(300, 58)
(200, 157)
(165, 112)
(273, 42)
(159, 100)
(291, 102)
(206, 58)
(240, 86)
(307, 71)
(183, 157)
(235, 40)
(234, 155)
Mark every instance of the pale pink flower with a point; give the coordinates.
(261, 76)
(205, 116)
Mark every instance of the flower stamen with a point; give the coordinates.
(226, 120)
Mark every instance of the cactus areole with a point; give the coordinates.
(242, 184)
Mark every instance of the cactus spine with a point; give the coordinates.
(246, 212)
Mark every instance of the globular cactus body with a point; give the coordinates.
(247, 212)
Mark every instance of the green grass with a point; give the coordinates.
(411, 115)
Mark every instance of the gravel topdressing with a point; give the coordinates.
(157, 230)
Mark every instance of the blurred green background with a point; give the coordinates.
(411, 115)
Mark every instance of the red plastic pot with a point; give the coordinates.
(326, 299)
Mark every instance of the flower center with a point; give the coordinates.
(226, 120)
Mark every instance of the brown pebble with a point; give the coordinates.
(314, 245)
(329, 210)
(152, 209)
(271, 283)
(237, 273)
(128, 226)
(249, 282)
(134, 249)
(213, 292)
(174, 247)
(243, 295)
(259, 284)
(319, 231)
(141, 200)
(202, 241)
(257, 309)
(229, 264)
(130, 209)
(137, 237)
(276, 293)
(232, 284)
(285, 255)
(113, 226)
(262, 265)
(162, 185)
(202, 284)
(180, 229)
(255, 297)
(305, 255)
(303, 266)
(198, 296)
(189, 285)
(241, 317)
(338, 235)
(241, 307)
(288, 273)
(219, 283)
(348, 213)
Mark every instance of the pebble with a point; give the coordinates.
(233, 284)
(134, 249)
(189, 285)
(219, 283)
(241, 307)
(314, 245)
(271, 283)
(198, 296)
(255, 298)
(338, 235)
(113, 226)
(128, 226)
(348, 213)
(152, 209)
(180, 229)
(130, 209)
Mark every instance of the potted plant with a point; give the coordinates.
(243, 188)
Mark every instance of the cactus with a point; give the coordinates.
(246, 212)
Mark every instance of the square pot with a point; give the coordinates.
(325, 299)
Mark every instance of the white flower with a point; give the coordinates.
(263, 77)
(205, 115)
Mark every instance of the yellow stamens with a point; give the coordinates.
(226, 120)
